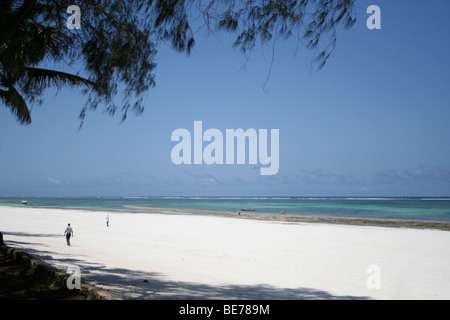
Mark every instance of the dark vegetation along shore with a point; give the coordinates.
(443, 225)
(23, 277)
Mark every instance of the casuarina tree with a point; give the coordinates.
(110, 49)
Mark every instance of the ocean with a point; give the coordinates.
(426, 209)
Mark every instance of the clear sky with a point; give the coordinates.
(374, 122)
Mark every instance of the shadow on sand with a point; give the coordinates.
(139, 285)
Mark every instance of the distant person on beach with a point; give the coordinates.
(107, 220)
(68, 233)
(283, 212)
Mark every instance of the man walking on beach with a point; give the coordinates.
(107, 220)
(68, 233)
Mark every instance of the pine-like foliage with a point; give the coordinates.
(118, 40)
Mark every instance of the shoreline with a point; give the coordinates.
(290, 218)
(401, 223)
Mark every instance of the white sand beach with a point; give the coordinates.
(177, 256)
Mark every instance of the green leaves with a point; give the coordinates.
(37, 79)
(12, 99)
(259, 22)
(118, 40)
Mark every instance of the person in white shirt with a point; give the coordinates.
(68, 233)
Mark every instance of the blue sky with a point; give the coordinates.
(373, 122)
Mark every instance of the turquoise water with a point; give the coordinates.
(430, 209)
